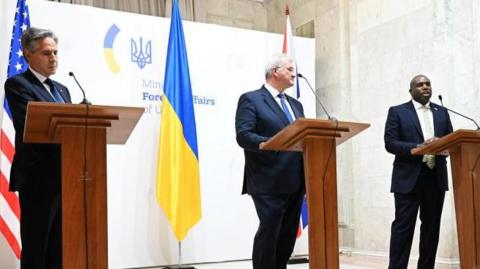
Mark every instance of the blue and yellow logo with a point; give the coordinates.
(108, 48)
(139, 54)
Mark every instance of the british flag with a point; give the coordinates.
(9, 203)
(288, 49)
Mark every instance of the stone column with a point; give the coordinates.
(333, 83)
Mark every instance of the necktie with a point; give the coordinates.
(428, 133)
(285, 108)
(53, 90)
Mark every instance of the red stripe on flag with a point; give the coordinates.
(11, 240)
(6, 146)
(10, 197)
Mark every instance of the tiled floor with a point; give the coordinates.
(346, 262)
(248, 265)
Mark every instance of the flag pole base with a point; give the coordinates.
(297, 260)
(179, 267)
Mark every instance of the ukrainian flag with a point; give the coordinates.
(178, 180)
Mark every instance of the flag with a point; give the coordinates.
(178, 176)
(287, 47)
(303, 217)
(304, 213)
(9, 203)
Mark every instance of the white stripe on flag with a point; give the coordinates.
(290, 51)
(5, 166)
(9, 217)
(7, 127)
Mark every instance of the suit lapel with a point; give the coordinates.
(38, 87)
(273, 105)
(412, 114)
(296, 111)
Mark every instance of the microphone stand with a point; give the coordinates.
(332, 147)
(85, 100)
(84, 176)
(459, 114)
(316, 96)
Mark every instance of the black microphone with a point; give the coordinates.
(440, 98)
(318, 98)
(85, 100)
(441, 101)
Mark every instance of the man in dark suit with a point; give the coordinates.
(418, 182)
(36, 168)
(275, 180)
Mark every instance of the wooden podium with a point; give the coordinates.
(84, 197)
(317, 139)
(464, 149)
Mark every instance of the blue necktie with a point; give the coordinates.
(56, 95)
(285, 108)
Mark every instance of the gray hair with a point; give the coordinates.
(277, 60)
(32, 35)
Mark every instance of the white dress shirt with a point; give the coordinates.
(274, 92)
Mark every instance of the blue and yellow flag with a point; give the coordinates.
(178, 179)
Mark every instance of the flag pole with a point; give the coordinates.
(287, 48)
(179, 265)
(178, 166)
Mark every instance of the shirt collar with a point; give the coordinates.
(39, 76)
(417, 105)
(274, 92)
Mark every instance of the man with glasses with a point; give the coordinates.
(274, 180)
(36, 168)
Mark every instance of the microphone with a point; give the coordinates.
(85, 100)
(316, 96)
(455, 112)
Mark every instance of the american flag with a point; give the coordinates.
(9, 203)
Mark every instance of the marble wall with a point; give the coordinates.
(367, 51)
(245, 14)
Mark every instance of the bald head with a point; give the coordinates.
(421, 89)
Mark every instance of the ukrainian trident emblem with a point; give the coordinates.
(140, 55)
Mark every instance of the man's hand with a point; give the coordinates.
(260, 146)
(430, 140)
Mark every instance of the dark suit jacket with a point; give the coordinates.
(402, 133)
(35, 167)
(258, 118)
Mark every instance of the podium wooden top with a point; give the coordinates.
(45, 119)
(291, 137)
(444, 144)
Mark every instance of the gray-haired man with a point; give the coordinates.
(275, 180)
